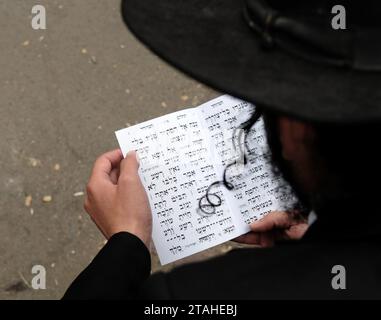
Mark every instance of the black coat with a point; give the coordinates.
(290, 270)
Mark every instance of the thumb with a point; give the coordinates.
(129, 165)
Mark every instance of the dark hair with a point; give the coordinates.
(209, 202)
(350, 156)
(346, 160)
(350, 163)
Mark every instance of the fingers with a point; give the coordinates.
(129, 166)
(274, 220)
(265, 239)
(105, 163)
(249, 238)
(114, 175)
(277, 225)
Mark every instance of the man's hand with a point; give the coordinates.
(116, 199)
(275, 226)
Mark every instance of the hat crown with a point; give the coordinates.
(365, 13)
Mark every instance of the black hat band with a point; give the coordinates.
(358, 49)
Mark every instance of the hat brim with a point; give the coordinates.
(210, 41)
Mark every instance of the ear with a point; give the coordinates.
(295, 137)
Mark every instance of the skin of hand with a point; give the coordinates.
(116, 199)
(277, 225)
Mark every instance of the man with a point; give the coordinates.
(318, 90)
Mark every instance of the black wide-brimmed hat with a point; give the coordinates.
(284, 55)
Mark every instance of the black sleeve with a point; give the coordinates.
(117, 272)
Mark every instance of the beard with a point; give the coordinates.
(281, 167)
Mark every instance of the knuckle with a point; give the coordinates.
(90, 188)
(99, 159)
(128, 178)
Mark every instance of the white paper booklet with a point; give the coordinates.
(182, 154)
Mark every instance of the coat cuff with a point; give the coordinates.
(117, 272)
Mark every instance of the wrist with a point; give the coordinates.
(137, 231)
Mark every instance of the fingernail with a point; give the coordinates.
(137, 157)
(133, 153)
